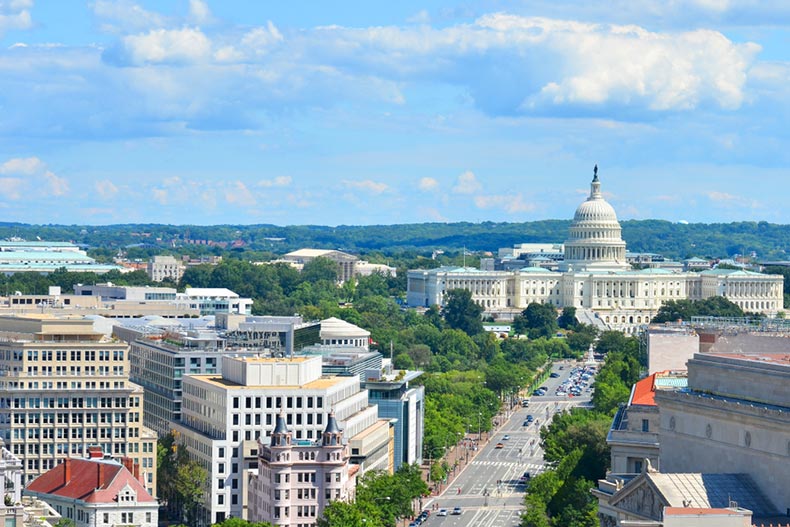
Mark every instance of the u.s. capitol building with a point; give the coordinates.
(595, 278)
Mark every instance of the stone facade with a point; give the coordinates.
(595, 276)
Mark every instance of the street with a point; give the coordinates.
(490, 494)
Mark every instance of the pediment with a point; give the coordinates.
(641, 498)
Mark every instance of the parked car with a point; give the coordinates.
(457, 510)
(442, 512)
(505, 437)
(554, 375)
(530, 418)
(500, 445)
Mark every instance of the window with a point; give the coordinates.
(645, 425)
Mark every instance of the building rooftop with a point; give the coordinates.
(644, 391)
(319, 384)
(782, 359)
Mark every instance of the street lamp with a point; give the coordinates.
(479, 428)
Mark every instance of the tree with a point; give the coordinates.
(343, 514)
(460, 312)
(537, 320)
(238, 522)
(321, 269)
(567, 319)
(715, 306)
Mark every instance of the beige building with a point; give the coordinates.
(595, 278)
(165, 266)
(63, 388)
(670, 346)
(224, 416)
(346, 262)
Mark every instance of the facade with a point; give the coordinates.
(670, 346)
(163, 266)
(656, 499)
(96, 492)
(633, 437)
(295, 480)
(337, 332)
(404, 405)
(64, 387)
(211, 300)
(47, 257)
(224, 416)
(347, 263)
(734, 417)
(595, 276)
(11, 512)
(276, 336)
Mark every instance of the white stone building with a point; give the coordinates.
(295, 480)
(165, 266)
(224, 416)
(96, 492)
(337, 332)
(595, 277)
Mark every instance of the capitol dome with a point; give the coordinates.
(595, 241)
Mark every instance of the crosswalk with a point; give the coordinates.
(528, 466)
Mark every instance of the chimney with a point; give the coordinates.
(100, 483)
(128, 463)
(95, 452)
(66, 471)
(136, 473)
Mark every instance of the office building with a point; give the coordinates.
(165, 267)
(223, 416)
(63, 388)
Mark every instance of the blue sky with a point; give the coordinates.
(359, 112)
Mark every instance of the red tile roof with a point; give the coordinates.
(89, 480)
(644, 391)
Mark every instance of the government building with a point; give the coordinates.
(595, 278)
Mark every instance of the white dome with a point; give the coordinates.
(595, 210)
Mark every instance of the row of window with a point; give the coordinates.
(277, 402)
(75, 355)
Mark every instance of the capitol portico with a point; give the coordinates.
(595, 278)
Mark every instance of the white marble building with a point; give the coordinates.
(595, 277)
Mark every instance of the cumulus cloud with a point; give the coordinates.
(125, 16)
(57, 186)
(199, 12)
(367, 185)
(106, 188)
(166, 46)
(11, 187)
(239, 194)
(715, 195)
(508, 203)
(26, 166)
(160, 195)
(427, 184)
(279, 181)
(15, 15)
(467, 184)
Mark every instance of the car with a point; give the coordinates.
(530, 418)
(442, 512)
(554, 375)
(537, 393)
(414, 524)
(544, 388)
(500, 445)
(526, 423)
(425, 513)
(505, 437)
(456, 510)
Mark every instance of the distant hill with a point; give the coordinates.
(674, 240)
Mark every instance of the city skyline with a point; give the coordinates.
(209, 112)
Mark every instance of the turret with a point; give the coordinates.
(332, 435)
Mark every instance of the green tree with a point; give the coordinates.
(343, 514)
(567, 319)
(460, 312)
(238, 522)
(537, 320)
(320, 269)
(715, 306)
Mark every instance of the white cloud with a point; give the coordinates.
(126, 16)
(58, 186)
(260, 39)
(26, 166)
(279, 181)
(160, 195)
(15, 15)
(467, 184)
(367, 185)
(106, 188)
(239, 194)
(715, 195)
(420, 17)
(199, 12)
(427, 184)
(510, 204)
(11, 187)
(169, 46)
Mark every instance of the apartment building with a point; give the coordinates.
(63, 388)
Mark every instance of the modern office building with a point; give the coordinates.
(63, 388)
(224, 416)
(594, 276)
(403, 405)
(97, 492)
(337, 332)
(295, 479)
(277, 336)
